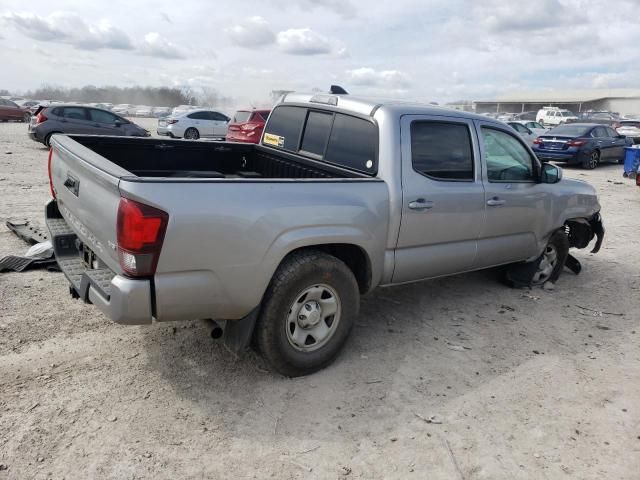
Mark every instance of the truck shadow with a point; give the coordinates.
(414, 349)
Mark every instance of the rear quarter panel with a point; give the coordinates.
(225, 239)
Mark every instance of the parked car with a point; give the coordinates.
(9, 110)
(535, 127)
(603, 118)
(524, 132)
(247, 126)
(125, 109)
(194, 124)
(630, 129)
(281, 238)
(553, 116)
(143, 111)
(586, 144)
(74, 119)
(161, 112)
(180, 109)
(506, 117)
(526, 116)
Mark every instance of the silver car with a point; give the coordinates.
(524, 132)
(195, 124)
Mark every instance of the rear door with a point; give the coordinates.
(75, 120)
(220, 123)
(516, 205)
(443, 197)
(603, 141)
(617, 144)
(201, 122)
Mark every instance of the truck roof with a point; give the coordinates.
(368, 105)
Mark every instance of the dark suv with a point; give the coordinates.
(77, 119)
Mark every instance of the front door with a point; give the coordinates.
(220, 124)
(442, 197)
(516, 203)
(618, 142)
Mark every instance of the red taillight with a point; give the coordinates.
(171, 122)
(249, 127)
(576, 143)
(537, 141)
(53, 192)
(41, 117)
(140, 232)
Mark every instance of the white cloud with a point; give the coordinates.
(253, 32)
(303, 41)
(154, 45)
(366, 76)
(71, 29)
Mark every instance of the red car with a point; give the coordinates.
(247, 125)
(11, 111)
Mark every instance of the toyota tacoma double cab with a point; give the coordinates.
(274, 243)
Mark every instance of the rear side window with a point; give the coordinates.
(353, 143)
(198, 116)
(442, 150)
(316, 132)
(76, 113)
(284, 128)
(241, 117)
(217, 117)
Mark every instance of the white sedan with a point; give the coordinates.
(195, 124)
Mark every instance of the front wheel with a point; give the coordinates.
(546, 268)
(593, 160)
(307, 313)
(191, 134)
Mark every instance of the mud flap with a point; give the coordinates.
(237, 333)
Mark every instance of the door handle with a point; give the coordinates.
(420, 204)
(495, 202)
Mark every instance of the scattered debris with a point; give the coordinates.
(508, 308)
(431, 419)
(146, 455)
(369, 382)
(529, 296)
(313, 449)
(536, 455)
(603, 327)
(40, 459)
(394, 439)
(457, 348)
(3, 466)
(344, 470)
(27, 231)
(536, 352)
(112, 418)
(599, 313)
(548, 286)
(8, 152)
(453, 459)
(37, 404)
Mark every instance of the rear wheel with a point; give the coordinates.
(47, 138)
(592, 161)
(307, 313)
(191, 134)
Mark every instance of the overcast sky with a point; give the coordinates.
(438, 50)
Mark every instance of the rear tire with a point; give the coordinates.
(47, 139)
(307, 313)
(593, 160)
(191, 134)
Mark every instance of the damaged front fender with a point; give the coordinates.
(582, 230)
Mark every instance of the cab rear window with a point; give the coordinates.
(336, 138)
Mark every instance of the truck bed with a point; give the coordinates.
(188, 159)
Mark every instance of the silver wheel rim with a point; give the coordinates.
(594, 160)
(313, 318)
(191, 134)
(547, 265)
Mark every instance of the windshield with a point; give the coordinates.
(568, 131)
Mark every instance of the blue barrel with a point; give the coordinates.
(631, 159)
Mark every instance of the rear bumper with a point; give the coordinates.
(34, 136)
(568, 157)
(124, 300)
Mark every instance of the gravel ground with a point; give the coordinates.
(547, 389)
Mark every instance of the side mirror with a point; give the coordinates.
(550, 173)
(117, 123)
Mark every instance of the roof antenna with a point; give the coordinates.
(338, 90)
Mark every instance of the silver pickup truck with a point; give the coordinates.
(275, 242)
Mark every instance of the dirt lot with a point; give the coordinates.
(549, 387)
